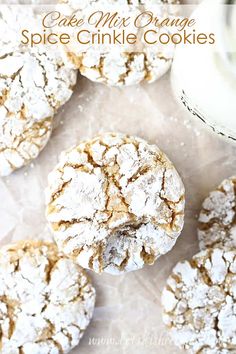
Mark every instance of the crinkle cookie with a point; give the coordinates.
(46, 300)
(34, 83)
(199, 303)
(128, 64)
(217, 220)
(115, 203)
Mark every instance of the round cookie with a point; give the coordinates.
(34, 83)
(127, 64)
(199, 303)
(115, 203)
(46, 300)
(217, 220)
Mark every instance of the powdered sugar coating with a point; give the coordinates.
(199, 303)
(115, 203)
(125, 66)
(34, 83)
(217, 220)
(46, 300)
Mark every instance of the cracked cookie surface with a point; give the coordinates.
(34, 83)
(217, 220)
(199, 303)
(128, 64)
(46, 300)
(115, 203)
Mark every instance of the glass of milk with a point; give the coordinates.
(204, 77)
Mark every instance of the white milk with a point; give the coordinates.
(204, 77)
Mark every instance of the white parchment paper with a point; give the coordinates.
(127, 317)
